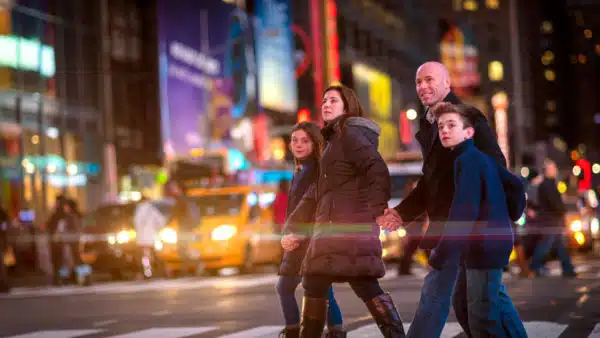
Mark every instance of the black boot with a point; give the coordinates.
(290, 332)
(386, 316)
(314, 313)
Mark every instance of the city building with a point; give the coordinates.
(484, 46)
(50, 120)
(130, 101)
(374, 47)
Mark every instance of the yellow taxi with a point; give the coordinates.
(224, 227)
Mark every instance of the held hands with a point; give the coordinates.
(290, 242)
(390, 220)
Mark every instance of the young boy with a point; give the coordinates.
(478, 231)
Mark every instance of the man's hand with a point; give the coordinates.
(390, 220)
(290, 242)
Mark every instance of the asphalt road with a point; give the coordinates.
(247, 306)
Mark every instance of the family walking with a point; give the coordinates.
(338, 203)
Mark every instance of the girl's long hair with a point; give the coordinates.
(351, 105)
(314, 133)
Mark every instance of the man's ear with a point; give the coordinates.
(470, 132)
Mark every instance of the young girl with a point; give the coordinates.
(306, 146)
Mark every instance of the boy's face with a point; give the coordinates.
(452, 130)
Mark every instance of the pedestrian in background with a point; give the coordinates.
(351, 194)
(4, 225)
(551, 222)
(306, 146)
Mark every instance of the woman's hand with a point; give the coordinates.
(290, 242)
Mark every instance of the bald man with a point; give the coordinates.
(433, 196)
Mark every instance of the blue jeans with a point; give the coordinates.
(286, 288)
(482, 306)
(435, 301)
(548, 242)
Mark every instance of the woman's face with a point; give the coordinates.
(301, 145)
(332, 106)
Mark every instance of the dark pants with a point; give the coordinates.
(547, 243)
(4, 285)
(58, 255)
(366, 288)
(405, 263)
(286, 288)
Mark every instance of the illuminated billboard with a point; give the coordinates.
(195, 89)
(374, 89)
(275, 55)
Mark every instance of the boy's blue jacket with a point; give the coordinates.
(486, 198)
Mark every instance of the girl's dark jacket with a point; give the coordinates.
(302, 180)
(352, 190)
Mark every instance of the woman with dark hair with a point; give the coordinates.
(350, 196)
(306, 145)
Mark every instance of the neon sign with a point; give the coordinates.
(28, 54)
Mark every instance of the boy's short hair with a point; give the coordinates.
(463, 111)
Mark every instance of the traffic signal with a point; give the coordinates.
(585, 183)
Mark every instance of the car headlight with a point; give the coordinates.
(223, 232)
(402, 232)
(576, 225)
(168, 235)
(594, 226)
(124, 236)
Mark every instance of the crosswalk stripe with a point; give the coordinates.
(595, 332)
(261, 331)
(544, 329)
(167, 332)
(57, 334)
(451, 329)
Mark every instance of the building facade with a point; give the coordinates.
(51, 124)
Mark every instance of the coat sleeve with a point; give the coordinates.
(366, 158)
(485, 140)
(463, 213)
(413, 205)
(301, 219)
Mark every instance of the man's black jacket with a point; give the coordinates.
(435, 189)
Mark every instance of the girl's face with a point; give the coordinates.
(452, 130)
(332, 106)
(301, 145)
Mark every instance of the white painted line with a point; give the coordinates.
(167, 332)
(544, 329)
(370, 331)
(260, 331)
(595, 332)
(57, 334)
(451, 330)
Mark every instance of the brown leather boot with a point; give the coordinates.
(386, 316)
(314, 313)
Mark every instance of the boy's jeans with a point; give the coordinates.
(434, 305)
(481, 304)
